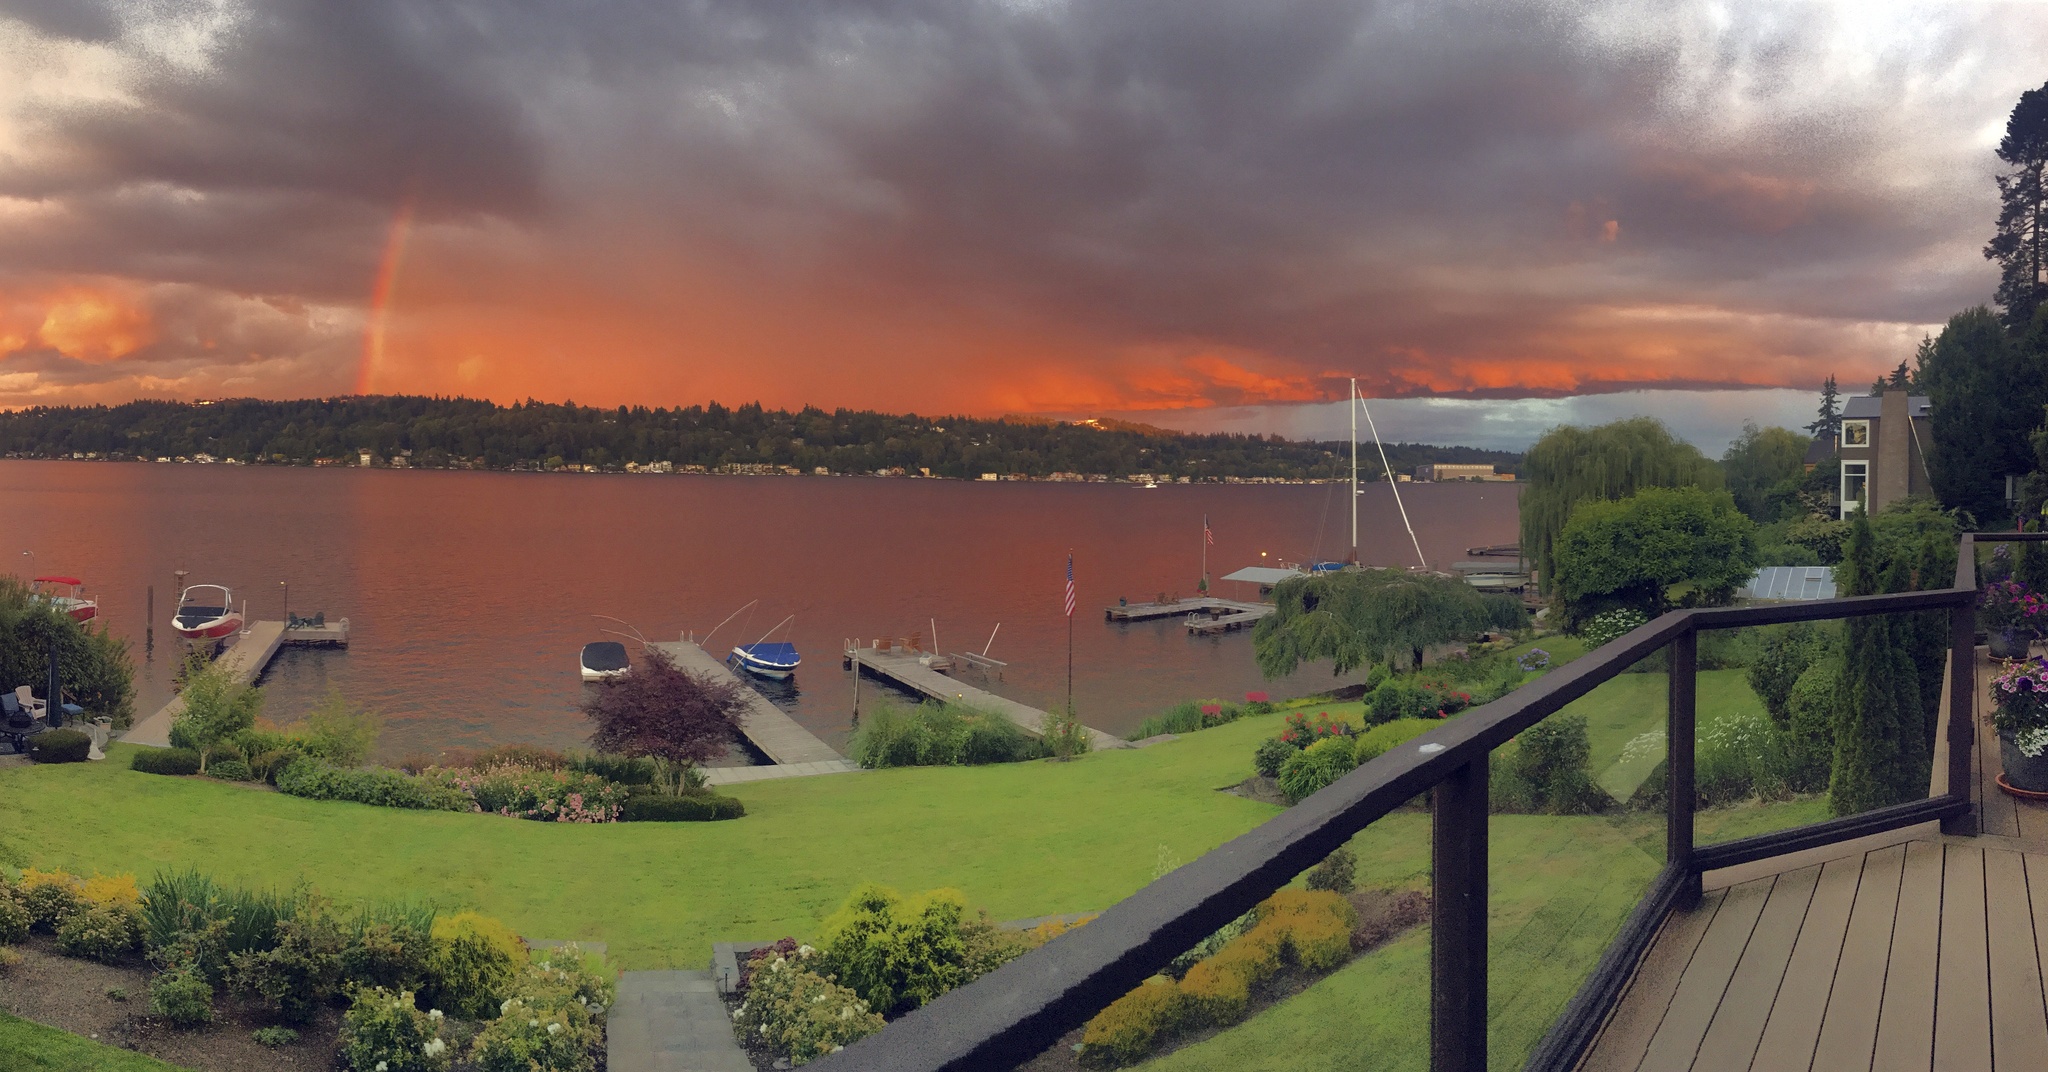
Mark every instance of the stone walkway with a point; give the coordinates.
(734, 775)
(671, 1021)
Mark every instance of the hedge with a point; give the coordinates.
(166, 761)
(703, 807)
(59, 746)
(319, 780)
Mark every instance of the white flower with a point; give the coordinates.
(433, 1047)
(533, 1023)
(382, 1067)
(506, 1007)
(805, 950)
(433, 1014)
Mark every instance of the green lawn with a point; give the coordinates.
(1632, 706)
(1022, 840)
(31, 1047)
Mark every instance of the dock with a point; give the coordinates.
(1141, 612)
(779, 737)
(244, 660)
(1228, 623)
(902, 667)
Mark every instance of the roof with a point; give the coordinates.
(1865, 407)
(59, 580)
(1262, 575)
(1820, 450)
(1791, 582)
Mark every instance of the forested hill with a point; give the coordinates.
(463, 433)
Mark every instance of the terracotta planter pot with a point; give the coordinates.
(2021, 772)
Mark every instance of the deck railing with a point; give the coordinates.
(1010, 1015)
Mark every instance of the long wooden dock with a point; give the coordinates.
(903, 667)
(1228, 623)
(771, 730)
(1211, 605)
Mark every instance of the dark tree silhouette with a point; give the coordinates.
(2021, 244)
(661, 710)
(1829, 424)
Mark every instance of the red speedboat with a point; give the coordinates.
(206, 612)
(72, 601)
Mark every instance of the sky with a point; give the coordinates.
(1496, 216)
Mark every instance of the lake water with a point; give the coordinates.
(470, 594)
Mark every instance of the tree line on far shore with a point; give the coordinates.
(469, 433)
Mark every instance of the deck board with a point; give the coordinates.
(1962, 1007)
(1626, 1036)
(2019, 1022)
(1848, 1033)
(1706, 978)
(1738, 1025)
(1802, 997)
(1905, 1022)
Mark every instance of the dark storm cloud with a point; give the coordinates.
(1324, 185)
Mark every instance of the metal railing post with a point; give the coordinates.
(1680, 794)
(1962, 715)
(1457, 936)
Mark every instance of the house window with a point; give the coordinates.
(1855, 433)
(1855, 479)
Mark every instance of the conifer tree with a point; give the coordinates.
(1881, 750)
(1829, 423)
(2021, 244)
(1934, 568)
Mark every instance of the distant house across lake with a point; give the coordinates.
(1458, 471)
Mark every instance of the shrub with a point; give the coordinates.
(1549, 770)
(1064, 734)
(1402, 698)
(1740, 756)
(1314, 926)
(14, 916)
(59, 746)
(1218, 990)
(273, 1037)
(380, 954)
(231, 770)
(528, 1039)
(473, 963)
(9, 959)
(384, 1031)
(301, 972)
(340, 732)
(105, 933)
(117, 891)
(657, 808)
(1338, 872)
(1300, 731)
(1271, 753)
(1385, 737)
(1321, 764)
(1133, 1025)
(165, 761)
(547, 794)
(1192, 715)
(51, 898)
(1810, 726)
(790, 1007)
(181, 996)
(897, 952)
(518, 755)
(263, 766)
(216, 708)
(625, 770)
(563, 976)
(1608, 625)
(1780, 662)
(317, 779)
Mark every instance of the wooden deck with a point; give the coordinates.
(779, 737)
(244, 660)
(1928, 954)
(903, 668)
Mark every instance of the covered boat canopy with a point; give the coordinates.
(59, 580)
(774, 653)
(604, 655)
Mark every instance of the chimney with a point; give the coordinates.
(1892, 468)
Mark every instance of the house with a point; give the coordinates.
(1452, 471)
(1883, 446)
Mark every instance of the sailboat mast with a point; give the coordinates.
(1351, 403)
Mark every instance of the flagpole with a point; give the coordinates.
(1205, 554)
(1070, 633)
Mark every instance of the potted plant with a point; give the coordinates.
(2020, 692)
(2012, 615)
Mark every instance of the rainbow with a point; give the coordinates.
(381, 289)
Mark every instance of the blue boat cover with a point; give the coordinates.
(776, 653)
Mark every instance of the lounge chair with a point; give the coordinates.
(26, 697)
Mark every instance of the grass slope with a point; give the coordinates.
(31, 1047)
(1631, 705)
(1020, 839)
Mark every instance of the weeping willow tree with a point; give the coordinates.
(1571, 465)
(1357, 617)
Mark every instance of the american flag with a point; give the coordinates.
(1207, 536)
(1070, 584)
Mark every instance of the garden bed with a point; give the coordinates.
(78, 996)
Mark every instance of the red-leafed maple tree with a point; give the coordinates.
(661, 710)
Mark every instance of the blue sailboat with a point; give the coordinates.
(777, 659)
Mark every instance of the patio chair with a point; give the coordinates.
(17, 725)
(26, 697)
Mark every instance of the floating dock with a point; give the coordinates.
(1211, 605)
(778, 736)
(1228, 623)
(903, 667)
(244, 660)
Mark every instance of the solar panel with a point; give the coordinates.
(1791, 583)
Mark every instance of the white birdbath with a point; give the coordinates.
(99, 729)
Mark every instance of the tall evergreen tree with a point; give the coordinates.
(2020, 245)
(1881, 749)
(1571, 465)
(1829, 424)
(1987, 392)
(1928, 630)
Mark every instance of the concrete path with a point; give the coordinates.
(733, 775)
(671, 1021)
